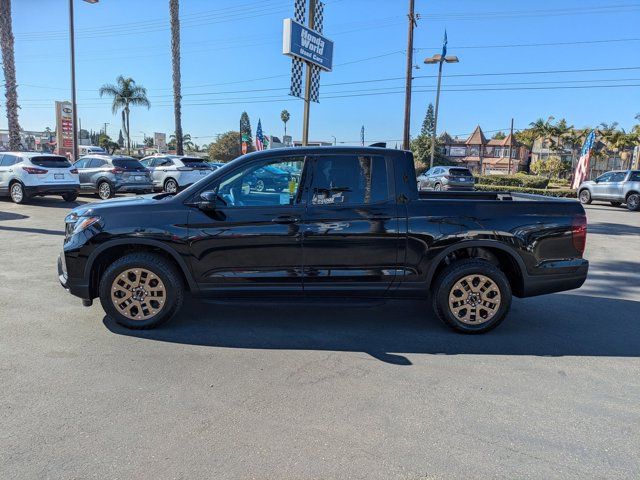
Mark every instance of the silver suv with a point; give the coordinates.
(616, 187)
(106, 174)
(172, 172)
(446, 178)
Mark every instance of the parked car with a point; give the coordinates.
(269, 178)
(91, 150)
(27, 174)
(446, 178)
(107, 175)
(616, 187)
(172, 173)
(355, 225)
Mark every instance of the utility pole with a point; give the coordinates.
(105, 127)
(307, 82)
(362, 135)
(510, 147)
(407, 89)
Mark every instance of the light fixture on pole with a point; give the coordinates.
(72, 55)
(440, 60)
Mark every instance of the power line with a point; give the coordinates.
(525, 45)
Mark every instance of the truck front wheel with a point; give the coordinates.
(471, 296)
(141, 290)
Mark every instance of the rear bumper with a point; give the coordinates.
(459, 188)
(52, 189)
(134, 187)
(562, 276)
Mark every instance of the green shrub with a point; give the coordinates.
(517, 180)
(564, 193)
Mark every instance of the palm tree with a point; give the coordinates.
(186, 142)
(620, 141)
(284, 116)
(175, 60)
(125, 94)
(9, 67)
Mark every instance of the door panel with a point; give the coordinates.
(351, 240)
(252, 242)
(615, 186)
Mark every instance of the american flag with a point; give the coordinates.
(259, 137)
(583, 164)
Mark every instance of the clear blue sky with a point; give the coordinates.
(229, 47)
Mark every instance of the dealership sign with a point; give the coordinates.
(64, 129)
(306, 44)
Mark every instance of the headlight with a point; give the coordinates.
(76, 224)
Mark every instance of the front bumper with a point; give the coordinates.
(53, 189)
(73, 286)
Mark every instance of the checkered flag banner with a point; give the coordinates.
(297, 65)
(318, 21)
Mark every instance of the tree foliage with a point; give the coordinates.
(284, 116)
(245, 129)
(226, 148)
(429, 122)
(421, 148)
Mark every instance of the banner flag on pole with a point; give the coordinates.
(444, 45)
(583, 163)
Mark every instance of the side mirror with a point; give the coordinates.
(210, 200)
(596, 180)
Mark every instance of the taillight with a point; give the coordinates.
(447, 177)
(116, 170)
(73, 171)
(34, 170)
(579, 233)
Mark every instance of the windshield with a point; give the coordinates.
(51, 162)
(128, 164)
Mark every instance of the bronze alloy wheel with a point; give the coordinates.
(474, 299)
(138, 294)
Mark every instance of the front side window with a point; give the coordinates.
(8, 160)
(605, 177)
(81, 163)
(618, 177)
(349, 179)
(270, 183)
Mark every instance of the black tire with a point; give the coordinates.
(260, 186)
(105, 190)
(633, 202)
(437, 187)
(167, 274)
(17, 193)
(170, 186)
(585, 197)
(70, 197)
(443, 291)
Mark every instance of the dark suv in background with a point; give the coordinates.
(446, 178)
(106, 174)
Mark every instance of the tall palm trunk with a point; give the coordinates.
(9, 67)
(175, 58)
(126, 112)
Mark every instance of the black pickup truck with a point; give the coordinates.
(349, 222)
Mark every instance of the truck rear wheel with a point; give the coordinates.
(472, 296)
(141, 291)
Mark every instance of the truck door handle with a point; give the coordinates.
(285, 219)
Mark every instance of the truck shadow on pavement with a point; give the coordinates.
(555, 325)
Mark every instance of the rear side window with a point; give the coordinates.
(8, 160)
(194, 162)
(460, 172)
(51, 162)
(635, 177)
(128, 164)
(349, 179)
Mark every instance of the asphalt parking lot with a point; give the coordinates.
(257, 390)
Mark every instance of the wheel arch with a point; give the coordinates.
(503, 256)
(107, 252)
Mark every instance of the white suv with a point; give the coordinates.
(27, 174)
(172, 172)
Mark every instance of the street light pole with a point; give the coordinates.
(440, 60)
(72, 52)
